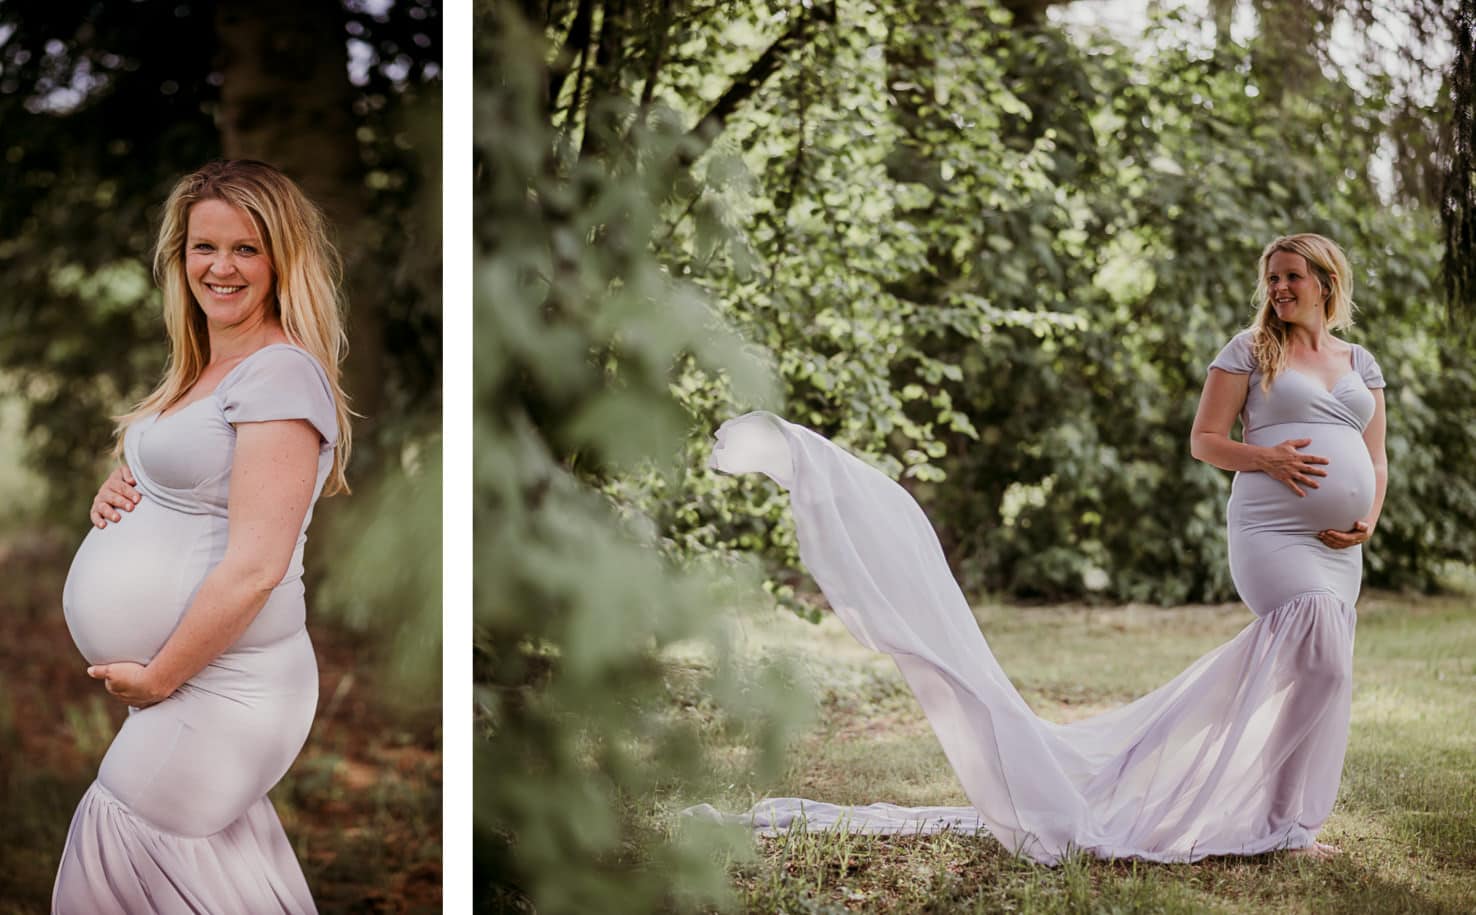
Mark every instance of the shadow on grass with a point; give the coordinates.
(832, 872)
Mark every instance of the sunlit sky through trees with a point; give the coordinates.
(1388, 45)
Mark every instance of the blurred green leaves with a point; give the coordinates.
(584, 339)
(386, 578)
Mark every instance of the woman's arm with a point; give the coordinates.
(1373, 437)
(272, 479)
(1221, 401)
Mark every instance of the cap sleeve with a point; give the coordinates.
(1236, 356)
(1368, 367)
(281, 382)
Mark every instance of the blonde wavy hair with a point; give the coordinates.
(306, 274)
(1330, 266)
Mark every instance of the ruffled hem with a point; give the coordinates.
(114, 861)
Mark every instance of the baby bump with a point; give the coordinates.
(130, 582)
(1275, 555)
(194, 763)
(1344, 496)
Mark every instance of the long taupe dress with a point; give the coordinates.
(178, 820)
(1241, 753)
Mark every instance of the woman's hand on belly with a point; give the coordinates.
(130, 682)
(1341, 540)
(1285, 464)
(117, 492)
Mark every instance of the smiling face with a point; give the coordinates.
(1295, 291)
(227, 265)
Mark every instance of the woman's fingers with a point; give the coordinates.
(117, 492)
(108, 504)
(1341, 540)
(122, 490)
(124, 497)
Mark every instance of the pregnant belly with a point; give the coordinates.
(131, 581)
(1341, 498)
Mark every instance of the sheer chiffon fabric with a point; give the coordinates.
(1241, 753)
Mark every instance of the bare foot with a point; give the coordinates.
(1317, 850)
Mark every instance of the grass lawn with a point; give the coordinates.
(1405, 817)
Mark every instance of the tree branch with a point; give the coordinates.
(712, 123)
(576, 42)
(604, 80)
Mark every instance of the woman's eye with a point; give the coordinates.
(246, 249)
(201, 246)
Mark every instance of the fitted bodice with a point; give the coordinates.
(1297, 397)
(132, 580)
(183, 460)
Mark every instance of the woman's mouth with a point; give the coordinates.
(223, 290)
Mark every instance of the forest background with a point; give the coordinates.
(988, 249)
(103, 106)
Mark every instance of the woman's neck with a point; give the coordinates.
(238, 341)
(1310, 338)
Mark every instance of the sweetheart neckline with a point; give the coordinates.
(160, 417)
(1318, 381)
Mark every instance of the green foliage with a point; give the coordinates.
(579, 329)
(21, 488)
(388, 581)
(997, 261)
(99, 122)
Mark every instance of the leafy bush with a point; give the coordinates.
(576, 603)
(997, 262)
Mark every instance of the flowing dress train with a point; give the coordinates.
(1241, 753)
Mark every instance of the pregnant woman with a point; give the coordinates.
(188, 603)
(1240, 754)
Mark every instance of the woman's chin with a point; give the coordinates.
(225, 316)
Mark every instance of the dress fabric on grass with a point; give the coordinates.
(1240, 754)
(178, 820)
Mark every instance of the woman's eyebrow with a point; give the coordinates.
(248, 240)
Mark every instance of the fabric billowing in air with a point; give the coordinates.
(1241, 753)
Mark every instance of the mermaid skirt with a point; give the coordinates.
(1241, 753)
(178, 820)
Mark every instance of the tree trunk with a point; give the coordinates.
(286, 99)
(1287, 54)
(1458, 203)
